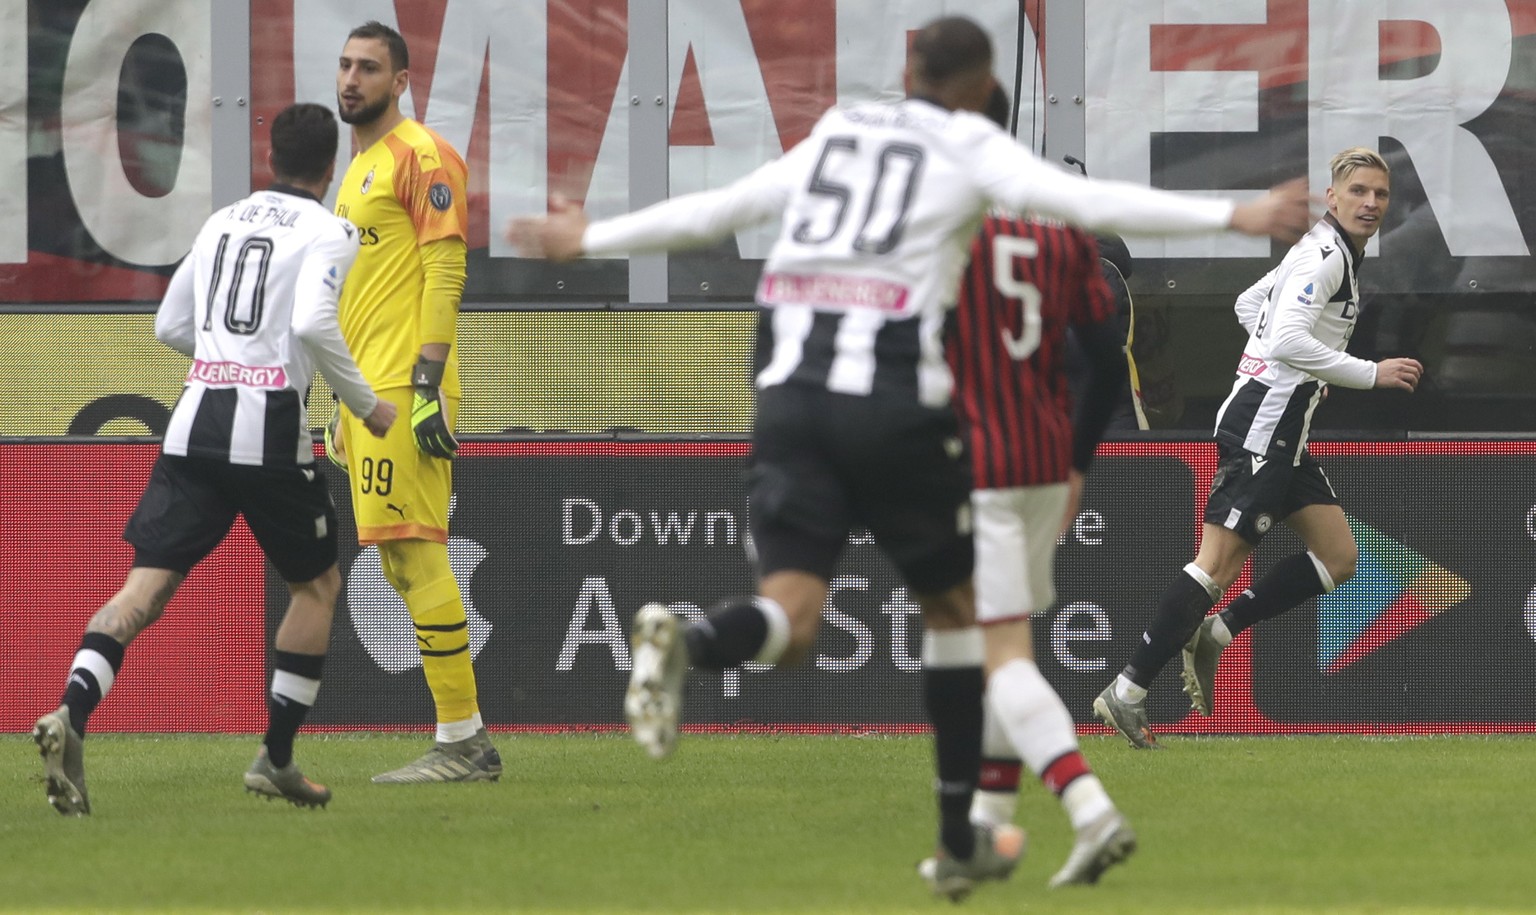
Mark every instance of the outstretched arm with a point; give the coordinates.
(681, 222)
(1019, 180)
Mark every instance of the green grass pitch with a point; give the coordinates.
(586, 823)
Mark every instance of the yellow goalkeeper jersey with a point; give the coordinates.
(404, 191)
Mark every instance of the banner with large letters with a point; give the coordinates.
(1222, 96)
(556, 545)
(106, 109)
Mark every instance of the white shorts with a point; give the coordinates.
(1016, 533)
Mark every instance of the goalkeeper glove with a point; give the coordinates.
(429, 415)
(335, 448)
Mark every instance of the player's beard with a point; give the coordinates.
(366, 114)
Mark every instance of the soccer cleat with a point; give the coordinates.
(654, 699)
(287, 783)
(1200, 657)
(473, 759)
(1129, 718)
(63, 753)
(998, 851)
(1100, 845)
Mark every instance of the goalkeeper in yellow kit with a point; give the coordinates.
(405, 192)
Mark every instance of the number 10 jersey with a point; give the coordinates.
(254, 305)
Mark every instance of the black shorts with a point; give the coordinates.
(824, 464)
(191, 503)
(1250, 493)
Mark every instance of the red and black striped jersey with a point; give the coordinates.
(1027, 282)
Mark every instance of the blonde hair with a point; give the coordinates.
(1344, 163)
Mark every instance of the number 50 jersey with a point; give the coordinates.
(254, 305)
(879, 206)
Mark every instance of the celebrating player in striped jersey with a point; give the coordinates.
(1299, 318)
(254, 305)
(853, 424)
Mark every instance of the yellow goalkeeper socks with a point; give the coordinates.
(442, 634)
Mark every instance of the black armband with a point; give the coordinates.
(428, 373)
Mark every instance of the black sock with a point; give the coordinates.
(1184, 604)
(83, 692)
(1291, 581)
(953, 697)
(733, 634)
(286, 713)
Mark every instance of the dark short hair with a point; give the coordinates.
(399, 57)
(304, 139)
(951, 46)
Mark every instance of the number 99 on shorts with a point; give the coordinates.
(377, 477)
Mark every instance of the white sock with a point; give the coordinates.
(994, 808)
(1205, 581)
(454, 731)
(953, 647)
(777, 641)
(1322, 573)
(1085, 801)
(1033, 717)
(1220, 632)
(1126, 691)
(99, 667)
(1041, 729)
(289, 685)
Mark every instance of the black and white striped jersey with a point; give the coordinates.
(254, 305)
(879, 206)
(1299, 319)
